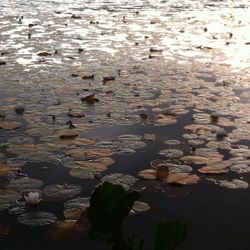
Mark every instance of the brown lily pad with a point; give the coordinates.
(182, 178)
(68, 134)
(6, 169)
(10, 125)
(90, 99)
(78, 114)
(195, 159)
(212, 170)
(150, 137)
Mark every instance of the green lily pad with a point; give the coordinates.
(171, 153)
(83, 173)
(61, 192)
(124, 180)
(24, 184)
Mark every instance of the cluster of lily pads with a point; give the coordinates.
(65, 77)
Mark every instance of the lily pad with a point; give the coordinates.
(172, 142)
(33, 219)
(92, 165)
(10, 125)
(148, 174)
(150, 137)
(6, 169)
(89, 153)
(24, 184)
(171, 153)
(8, 198)
(195, 159)
(84, 173)
(68, 134)
(212, 170)
(60, 192)
(124, 180)
(182, 178)
(74, 208)
(241, 168)
(234, 184)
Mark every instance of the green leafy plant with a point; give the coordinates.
(109, 205)
(134, 243)
(170, 234)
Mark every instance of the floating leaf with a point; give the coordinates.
(165, 119)
(195, 159)
(89, 153)
(171, 153)
(241, 168)
(77, 142)
(90, 99)
(148, 174)
(182, 178)
(95, 165)
(10, 125)
(216, 168)
(84, 173)
(150, 137)
(24, 184)
(8, 198)
(172, 142)
(180, 169)
(33, 219)
(68, 133)
(212, 170)
(74, 208)
(234, 184)
(124, 180)
(6, 169)
(61, 192)
(72, 113)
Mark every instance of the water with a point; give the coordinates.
(174, 62)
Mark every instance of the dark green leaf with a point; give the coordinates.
(109, 205)
(134, 243)
(170, 234)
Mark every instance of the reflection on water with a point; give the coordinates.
(92, 88)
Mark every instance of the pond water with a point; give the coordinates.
(94, 88)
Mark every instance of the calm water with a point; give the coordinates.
(175, 61)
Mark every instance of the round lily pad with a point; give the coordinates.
(61, 192)
(83, 173)
(8, 198)
(24, 184)
(171, 153)
(121, 179)
(172, 142)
